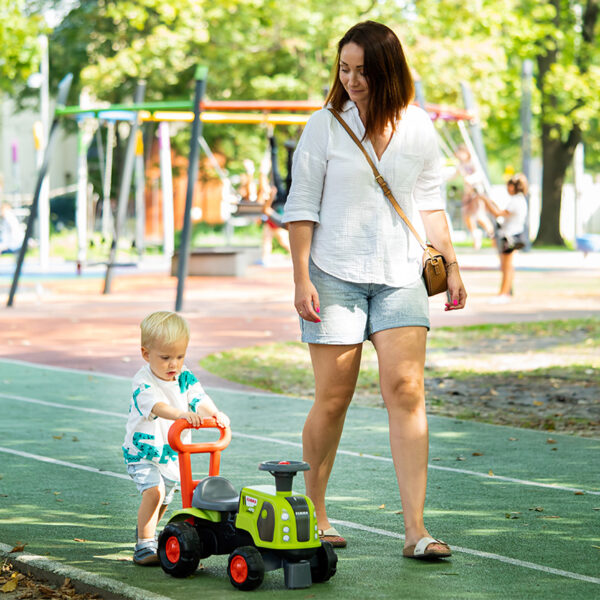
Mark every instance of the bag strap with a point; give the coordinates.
(378, 177)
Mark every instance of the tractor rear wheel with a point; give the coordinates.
(179, 549)
(246, 568)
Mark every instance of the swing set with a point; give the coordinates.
(200, 111)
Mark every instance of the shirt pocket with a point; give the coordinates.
(406, 171)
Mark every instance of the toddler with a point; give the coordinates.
(163, 390)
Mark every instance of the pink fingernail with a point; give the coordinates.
(318, 320)
(455, 303)
(317, 310)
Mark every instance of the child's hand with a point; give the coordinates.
(192, 418)
(222, 419)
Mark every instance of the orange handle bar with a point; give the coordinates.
(180, 425)
(184, 450)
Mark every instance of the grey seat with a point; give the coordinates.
(215, 493)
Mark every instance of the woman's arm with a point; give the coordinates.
(492, 207)
(306, 298)
(438, 234)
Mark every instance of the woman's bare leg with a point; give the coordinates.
(508, 273)
(336, 371)
(401, 356)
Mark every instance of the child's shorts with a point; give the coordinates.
(352, 312)
(147, 475)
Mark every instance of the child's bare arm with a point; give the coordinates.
(166, 411)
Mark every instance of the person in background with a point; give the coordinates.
(472, 207)
(511, 234)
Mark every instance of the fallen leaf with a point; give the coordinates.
(19, 547)
(79, 540)
(513, 515)
(537, 509)
(10, 585)
(550, 517)
(460, 458)
(56, 493)
(381, 506)
(538, 403)
(491, 473)
(477, 454)
(554, 449)
(436, 458)
(399, 512)
(550, 441)
(579, 493)
(512, 439)
(493, 392)
(58, 437)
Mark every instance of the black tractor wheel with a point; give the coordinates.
(179, 549)
(246, 568)
(324, 564)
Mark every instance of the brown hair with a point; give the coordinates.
(520, 182)
(386, 70)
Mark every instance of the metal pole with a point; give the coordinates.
(166, 179)
(140, 200)
(63, 91)
(475, 127)
(526, 84)
(184, 246)
(107, 216)
(44, 201)
(126, 177)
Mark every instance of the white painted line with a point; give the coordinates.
(62, 463)
(349, 524)
(478, 553)
(97, 581)
(344, 452)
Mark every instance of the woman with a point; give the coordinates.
(357, 267)
(511, 234)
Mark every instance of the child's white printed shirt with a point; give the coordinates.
(146, 434)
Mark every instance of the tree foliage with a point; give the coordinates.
(275, 49)
(19, 52)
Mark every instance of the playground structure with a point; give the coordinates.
(198, 112)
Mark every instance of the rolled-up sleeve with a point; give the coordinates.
(308, 171)
(427, 191)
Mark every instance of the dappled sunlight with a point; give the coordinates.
(448, 434)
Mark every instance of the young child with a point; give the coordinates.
(163, 390)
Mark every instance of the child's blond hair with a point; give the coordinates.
(165, 327)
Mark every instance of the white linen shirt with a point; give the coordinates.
(358, 235)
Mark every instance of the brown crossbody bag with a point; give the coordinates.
(434, 265)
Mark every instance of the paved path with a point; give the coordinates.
(62, 320)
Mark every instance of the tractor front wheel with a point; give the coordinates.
(246, 568)
(179, 549)
(324, 564)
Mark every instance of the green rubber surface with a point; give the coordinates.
(509, 501)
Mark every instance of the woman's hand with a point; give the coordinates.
(456, 294)
(306, 301)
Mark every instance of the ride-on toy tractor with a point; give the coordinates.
(262, 529)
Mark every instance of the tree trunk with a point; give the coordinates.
(556, 156)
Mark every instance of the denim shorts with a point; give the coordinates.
(351, 312)
(147, 475)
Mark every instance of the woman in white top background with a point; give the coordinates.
(357, 267)
(511, 235)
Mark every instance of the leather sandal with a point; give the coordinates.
(421, 549)
(332, 536)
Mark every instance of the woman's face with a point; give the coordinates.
(352, 73)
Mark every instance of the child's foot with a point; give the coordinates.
(145, 553)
